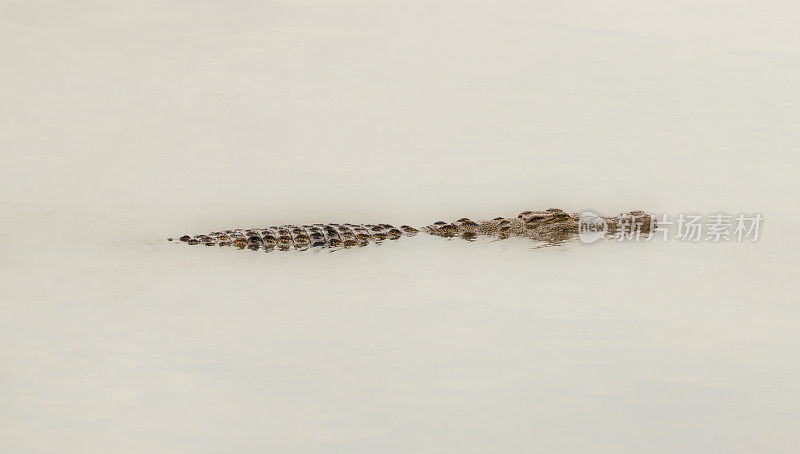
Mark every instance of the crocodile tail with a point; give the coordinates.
(302, 237)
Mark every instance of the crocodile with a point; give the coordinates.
(546, 228)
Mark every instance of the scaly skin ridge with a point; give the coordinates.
(548, 227)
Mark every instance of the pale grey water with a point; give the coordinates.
(125, 123)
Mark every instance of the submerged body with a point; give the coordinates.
(549, 227)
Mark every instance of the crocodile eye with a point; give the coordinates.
(536, 217)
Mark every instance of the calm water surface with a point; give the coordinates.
(124, 124)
